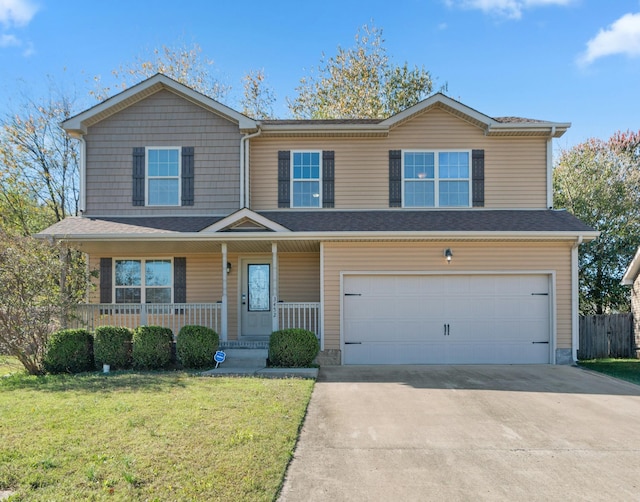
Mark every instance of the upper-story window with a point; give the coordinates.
(436, 178)
(163, 176)
(143, 281)
(306, 183)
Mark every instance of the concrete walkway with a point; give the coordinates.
(253, 362)
(450, 433)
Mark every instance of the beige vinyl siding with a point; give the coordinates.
(163, 119)
(515, 168)
(299, 277)
(428, 257)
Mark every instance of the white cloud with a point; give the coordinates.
(8, 40)
(622, 37)
(17, 12)
(511, 9)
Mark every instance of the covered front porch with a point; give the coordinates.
(243, 288)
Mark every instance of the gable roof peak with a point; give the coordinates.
(77, 125)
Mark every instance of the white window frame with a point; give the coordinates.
(436, 178)
(292, 180)
(147, 178)
(143, 286)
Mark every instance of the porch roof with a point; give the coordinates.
(328, 223)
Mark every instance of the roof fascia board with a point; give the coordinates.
(332, 236)
(77, 125)
(632, 270)
(439, 98)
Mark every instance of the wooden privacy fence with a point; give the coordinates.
(606, 336)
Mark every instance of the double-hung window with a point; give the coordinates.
(163, 176)
(436, 178)
(306, 179)
(143, 281)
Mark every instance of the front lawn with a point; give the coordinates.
(147, 436)
(625, 369)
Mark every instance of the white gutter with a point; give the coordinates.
(83, 175)
(550, 168)
(575, 297)
(327, 236)
(244, 168)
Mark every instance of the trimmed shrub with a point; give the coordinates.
(69, 351)
(112, 346)
(293, 348)
(152, 347)
(196, 346)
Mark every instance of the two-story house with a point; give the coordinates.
(427, 237)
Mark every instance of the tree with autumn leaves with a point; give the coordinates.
(599, 182)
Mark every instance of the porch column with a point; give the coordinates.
(274, 285)
(223, 313)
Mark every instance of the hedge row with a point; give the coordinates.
(145, 348)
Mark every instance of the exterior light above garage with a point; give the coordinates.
(448, 254)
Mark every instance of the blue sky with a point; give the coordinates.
(561, 60)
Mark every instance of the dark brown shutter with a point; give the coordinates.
(284, 177)
(328, 174)
(395, 178)
(188, 178)
(179, 280)
(106, 281)
(138, 176)
(477, 178)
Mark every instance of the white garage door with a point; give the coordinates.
(453, 319)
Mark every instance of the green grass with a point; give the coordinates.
(625, 369)
(147, 436)
(10, 365)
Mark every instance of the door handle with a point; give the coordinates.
(244, 299)
(447, 329)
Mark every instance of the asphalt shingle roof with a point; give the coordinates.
(389, 221)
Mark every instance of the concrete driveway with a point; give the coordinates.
(467, 433)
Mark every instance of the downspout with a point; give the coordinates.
(550, 168)
(575, 297)
(82, 175)
(244, 168)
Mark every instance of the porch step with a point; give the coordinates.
(245, 357)
(244, 344)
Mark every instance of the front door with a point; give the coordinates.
(255, 300)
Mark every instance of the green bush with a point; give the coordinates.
(112, 346)
(69, 351)
(152, 347)
(293, 348)
(196, 346)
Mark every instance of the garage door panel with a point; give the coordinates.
(457, 319)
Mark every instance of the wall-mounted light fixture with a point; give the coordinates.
(228, 267)
(448, 254)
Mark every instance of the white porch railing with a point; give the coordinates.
(132, 315)
(299, 315)
(175, 315)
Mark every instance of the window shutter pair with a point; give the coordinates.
(284, 178)
(395, 178)
(187, 175)
(179, 280)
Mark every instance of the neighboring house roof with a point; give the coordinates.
(632, 271)
(390, 223)
(78, 124)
